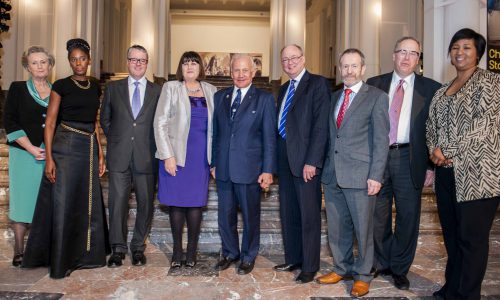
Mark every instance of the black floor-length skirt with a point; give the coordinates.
(69, 229)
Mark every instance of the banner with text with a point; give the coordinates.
(493, 53)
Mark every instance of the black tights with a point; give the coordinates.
(19, 233)
(178, 215)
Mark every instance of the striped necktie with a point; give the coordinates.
(288, 102)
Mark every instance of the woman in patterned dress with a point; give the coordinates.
(463, 136)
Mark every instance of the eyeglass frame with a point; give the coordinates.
(293, 59)
(405, 52)
(134, 60)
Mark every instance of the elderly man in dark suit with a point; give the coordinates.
(353, 171)
(127, 115)
(408, 160)
(303, 128)
(243, 161)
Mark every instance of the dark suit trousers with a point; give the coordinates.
(300, 212)
(466, 231)
(247, 197)
(120, 184)
(396, 249)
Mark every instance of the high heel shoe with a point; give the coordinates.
(17, 260)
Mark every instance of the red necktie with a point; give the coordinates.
(344, 106)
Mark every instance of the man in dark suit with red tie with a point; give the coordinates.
(303, 105)
(407, 165)
(243, 161)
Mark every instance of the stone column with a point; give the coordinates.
(288, 26)
(161, 65)
(65, 16)
(441, 20)
(358, 26)
(277, 38)
(77, 19)
(143, 30)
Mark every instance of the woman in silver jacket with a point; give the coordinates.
(183, 135)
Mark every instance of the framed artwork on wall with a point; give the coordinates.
(218, 63)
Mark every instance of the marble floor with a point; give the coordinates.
(157, 281)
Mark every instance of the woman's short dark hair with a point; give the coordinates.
(469, 34)
(78, 44)
(186, 57)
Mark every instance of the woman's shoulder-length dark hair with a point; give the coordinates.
(469, 34)
(186, 57)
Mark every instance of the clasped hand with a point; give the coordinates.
(437, 157)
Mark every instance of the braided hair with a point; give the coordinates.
(78, 44)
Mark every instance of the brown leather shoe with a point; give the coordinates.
(329, 278)
(360, 288)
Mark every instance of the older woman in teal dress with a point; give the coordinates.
(24, 118)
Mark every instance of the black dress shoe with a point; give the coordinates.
(224, 263)
(115, 260)
(287, 267)
(383, 272)
(401, 282)
(245, 267)
(17, 260)
(190, 264)
(305, 277)
(138, 258)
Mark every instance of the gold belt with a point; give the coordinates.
(91, 167)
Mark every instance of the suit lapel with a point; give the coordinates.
(385, 84)
(334, 102)
(356, 102)
(126, 96)
(418, 101)
(226, 103)
(147, 98)
(299, 90)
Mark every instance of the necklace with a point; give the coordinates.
(193, 91)
(81, 86)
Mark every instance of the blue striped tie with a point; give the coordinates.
(288, 102)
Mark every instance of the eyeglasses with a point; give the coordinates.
(404, 53)
(137, 60)
(293, 59)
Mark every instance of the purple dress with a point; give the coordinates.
(189, 188)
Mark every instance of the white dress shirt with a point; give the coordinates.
(131, 88)
(297, 81)
(403, 135)
(243, 93)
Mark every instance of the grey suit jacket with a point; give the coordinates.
(128, 138)
(173, 117)
(358, 150)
